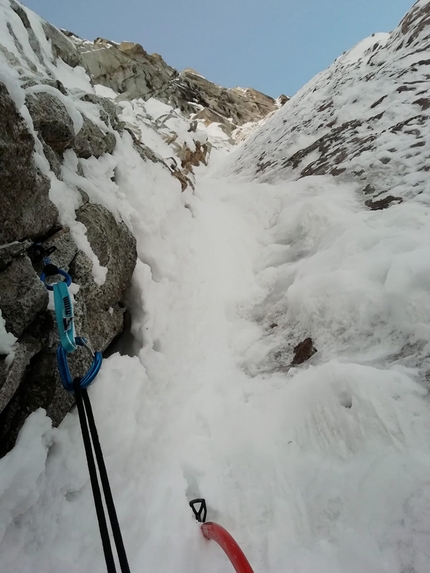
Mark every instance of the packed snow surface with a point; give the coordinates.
(322, 467)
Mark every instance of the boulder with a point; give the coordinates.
(62, 47)
(126, 68)
(115, 247)
(39, 388)
(92, 141)
(303, 351)
(51, 119)
(65, 249)
(52, 158)
(32, 381)
(11, 374)
(28, 82)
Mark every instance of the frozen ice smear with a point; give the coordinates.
(322, 467)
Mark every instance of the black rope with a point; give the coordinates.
(91, 440)
(122, 556)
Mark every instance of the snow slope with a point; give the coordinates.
(365, 117)
(323, 467)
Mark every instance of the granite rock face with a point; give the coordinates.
(61, 45)
(23, 295)
(103, 316)
(24, 203)
(29, 377)
(129, 70)
(91, 141)
(51, 120)
(125, 67)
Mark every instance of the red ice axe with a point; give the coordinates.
(216, 532)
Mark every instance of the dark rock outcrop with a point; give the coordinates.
(61, 45)
(108, 112)
(92, 141)
(303, 351)
(103, 315)
(31, 380)
(51, 120)
(12, 376)
(11, 251)
(189, 91)
(25, 208)
(23, 295)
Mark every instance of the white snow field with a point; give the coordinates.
(323, 467)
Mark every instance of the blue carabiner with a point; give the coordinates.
(64, 315)
(51, 270)
(63, 367)
(63, 304)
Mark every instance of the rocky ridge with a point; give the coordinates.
(133, 73)
(372, 102)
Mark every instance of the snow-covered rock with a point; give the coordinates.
(24, 204)
(65, 134)
(129, 70)
(364, 119)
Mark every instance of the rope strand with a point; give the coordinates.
(104, 533)
(68, 344)
(122, 556)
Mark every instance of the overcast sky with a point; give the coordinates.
(275, 46)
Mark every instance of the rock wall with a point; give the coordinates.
(31, 380)
(37, 125)
(57, 132)
(26, 211)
